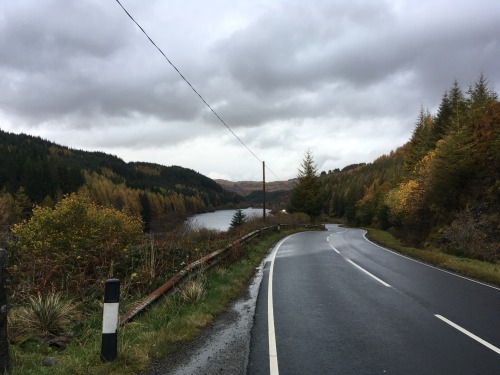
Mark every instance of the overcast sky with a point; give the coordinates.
(343, 79)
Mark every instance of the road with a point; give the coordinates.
(339, 304)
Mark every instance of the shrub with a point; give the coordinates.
(193, 291)
(43, 316)
(72, 245)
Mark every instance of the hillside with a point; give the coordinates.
(244, 188)
(442, 188)
(37, 171)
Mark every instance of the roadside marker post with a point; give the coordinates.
(109, 344)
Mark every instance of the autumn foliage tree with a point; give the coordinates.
(442, 187)
(73, 245)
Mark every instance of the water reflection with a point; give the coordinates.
(221, 220)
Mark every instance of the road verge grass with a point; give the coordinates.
(172, 321)
(472, 268)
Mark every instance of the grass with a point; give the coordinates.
(44, 316)
(152, 335)
(476, 269)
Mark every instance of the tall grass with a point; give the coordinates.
(193, 291)
(43, 315)
(154, 334)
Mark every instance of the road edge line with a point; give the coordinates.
(273, 352)
(428, 265)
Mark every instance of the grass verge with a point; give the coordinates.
(152, 335)
(476, 269)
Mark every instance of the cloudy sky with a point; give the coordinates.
(343, 79)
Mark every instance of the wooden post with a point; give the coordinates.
(264, 189)
(4, 343)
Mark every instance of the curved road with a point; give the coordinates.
(339, 304)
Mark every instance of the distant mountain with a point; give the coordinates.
(244, 188)
(277, 192)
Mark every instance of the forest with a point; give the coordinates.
(34, 171)
(442, 188)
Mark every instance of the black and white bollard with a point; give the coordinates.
(109, 345)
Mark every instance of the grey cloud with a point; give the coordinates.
(269, 68)
(312, 48)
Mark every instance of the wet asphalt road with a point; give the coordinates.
(343, 305)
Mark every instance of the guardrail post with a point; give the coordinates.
(109, 344)
(4, 343)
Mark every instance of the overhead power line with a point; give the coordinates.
(191, 86)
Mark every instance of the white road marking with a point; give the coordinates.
(428, 265)
(368, 273)
(273, 353)
(470, 334)
(338, 252)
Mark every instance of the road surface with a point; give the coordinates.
(339, 304)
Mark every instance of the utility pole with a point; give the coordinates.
(264, 189)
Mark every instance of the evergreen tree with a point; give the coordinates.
(307, 196)
(443, 119)
(238, 218)
(459, 108)
(481, 97)
(420, 143)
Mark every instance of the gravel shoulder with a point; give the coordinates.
(222, 347)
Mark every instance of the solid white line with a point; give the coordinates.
(428, 265)
(273, 353)
(338, 252)
(368, 273)
(470, 334)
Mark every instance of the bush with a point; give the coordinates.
(72, 245)
(193, 291)
(43, 316)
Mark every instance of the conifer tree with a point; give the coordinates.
(481, 97)
(442, 119)
(238, 218)
(420, 143)
(307, 196)
(459, 108)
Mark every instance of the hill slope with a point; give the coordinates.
(244, 188)
(442, 188)
(42, 171)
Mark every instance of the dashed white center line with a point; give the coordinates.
(468, 333)
(369, 274)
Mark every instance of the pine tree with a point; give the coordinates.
(443, 119)
(481, 97)
(459, 108)
(307, 196)
(420, 143)
(238, 218)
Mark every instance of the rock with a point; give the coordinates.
(49, 361)
(60, 342)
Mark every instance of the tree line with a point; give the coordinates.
(34, 172)
(442, 188)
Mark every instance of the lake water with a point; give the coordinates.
(221, 220)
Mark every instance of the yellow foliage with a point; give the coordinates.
(77, 238)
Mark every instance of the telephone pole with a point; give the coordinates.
(264, 189)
